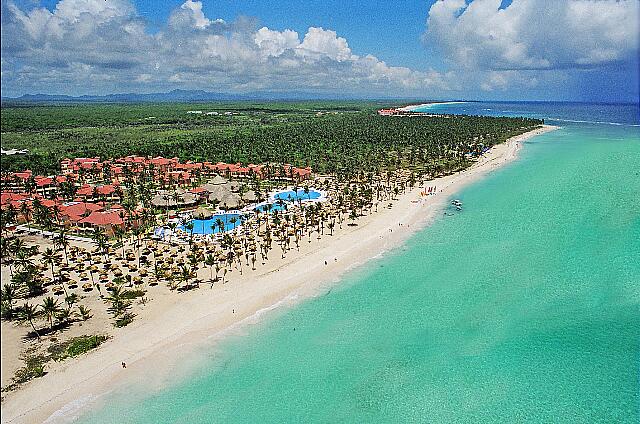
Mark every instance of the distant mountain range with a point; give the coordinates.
(171, 96)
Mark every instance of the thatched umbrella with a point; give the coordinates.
(87, 287)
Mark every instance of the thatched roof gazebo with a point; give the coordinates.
(250, 197)
(231, 201)
(217, 180)
(164, 199)
(202, 213)
(233, 186)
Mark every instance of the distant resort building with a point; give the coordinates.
(12, 152)
(399, 112)
(88, 193)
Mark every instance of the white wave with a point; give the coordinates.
(595, 122)
(70, 411)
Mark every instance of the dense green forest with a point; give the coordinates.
(329, 136)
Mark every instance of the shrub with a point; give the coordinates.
(124, 320)
(79, 345)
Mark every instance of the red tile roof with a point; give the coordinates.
(80, 208)
(111, 217)
(43, 182)
(5, 198)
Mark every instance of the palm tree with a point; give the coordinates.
(25, 210)
(210, 261)
(50, 257)
(103, 245)
(50, 308)
(64, 316)
(189, 226)
(85, 313)
(23, 260)
(119, 233)
(119, 305)
(220, 225)
(8, 295)
(71, 300)
(28, 312)
(137, 232)
(172, 227)
(62, 241)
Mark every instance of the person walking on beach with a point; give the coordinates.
(124, 365)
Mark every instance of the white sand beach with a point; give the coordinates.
(170, 326)
(411, 108)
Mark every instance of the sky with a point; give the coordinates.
(573, 50)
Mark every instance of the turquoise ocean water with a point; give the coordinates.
(522, 308)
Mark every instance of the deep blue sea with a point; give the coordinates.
(522, 308)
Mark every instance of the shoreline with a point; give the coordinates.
(412, 108)
(153, 346)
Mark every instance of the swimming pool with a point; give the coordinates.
(204, 226)
(291, 195)
(274, 207)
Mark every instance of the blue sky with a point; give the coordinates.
(449, 49)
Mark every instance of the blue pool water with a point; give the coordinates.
(274, 207)
(299, 194)
(203, 226)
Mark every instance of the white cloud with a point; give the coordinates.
(98, 46)
(534, 34)
(190, 13)
(319, 43)
(274, 43)
(72, 10)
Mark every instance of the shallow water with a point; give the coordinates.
(522, 308)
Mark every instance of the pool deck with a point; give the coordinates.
(247, 210)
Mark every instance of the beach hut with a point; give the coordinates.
(224, 196)
(166, 199)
